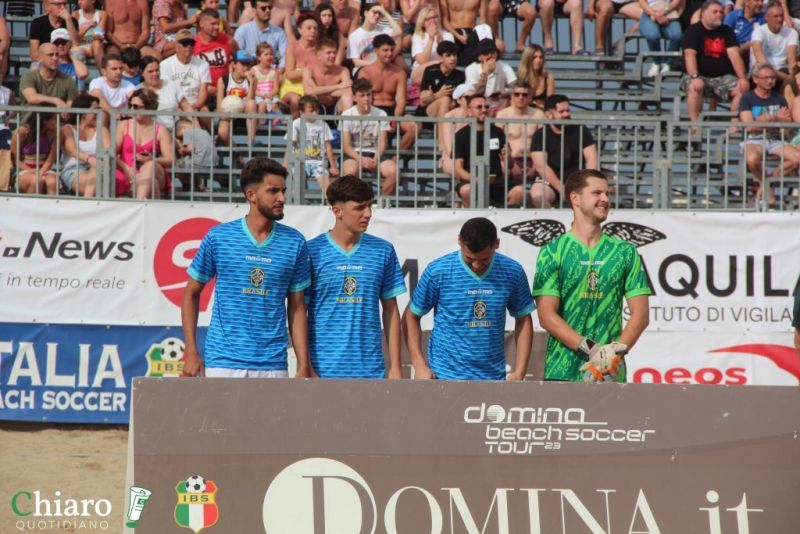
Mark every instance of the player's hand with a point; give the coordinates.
(192, 363)
(603, 360)
(423, 373)
(394, 373)
(515, 376)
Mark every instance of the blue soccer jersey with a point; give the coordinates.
(248, 320)
(344, 317)
(470, 314)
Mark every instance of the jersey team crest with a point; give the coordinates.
(256, 277)
(197, 503)
(350, 285)
(165, 359)
(479, 309)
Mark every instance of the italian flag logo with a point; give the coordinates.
(197, 503)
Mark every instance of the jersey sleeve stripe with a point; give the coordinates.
(416, 310)
(525, 311)
(301, 286)
(195, 274)
(399, 290)
(638, 292)
(545, 293)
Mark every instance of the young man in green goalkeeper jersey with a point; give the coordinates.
(580, 281)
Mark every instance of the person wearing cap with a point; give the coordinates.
(212, 46)
(490, 77)
(237, 83)
(446, 130)
(110, 89)
(259, 30)
(70, 60)
(190, 73)
(56, 16)
(439, 82)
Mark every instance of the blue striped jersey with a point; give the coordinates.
(248, 319)
(470, 314)
(344, 317)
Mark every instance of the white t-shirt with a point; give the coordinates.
(169, 98)
(359, 43)
(117, 97)
(364, 134)
(317, 134)
(497, 82)
(418, 45)
(774, 45)
(187, 77)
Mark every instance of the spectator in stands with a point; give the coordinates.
(439, 82)
(46, 84)
(317, 149)
(364, 142)
(81, 138)
(56, 16)
(128, 25)
(348, 18)
(35, 142)
(489, 76)
(389, 87)
(791, 90)
(446, 130)
(132, 65)
(520, 134)
(660, 21)
(462, 156)
(743, 21)
(412, 12)
(91, 24)
(763, 104)
(328, 29)
(265, 80)
(601, 11)
(548, 9)
(360, 43)
(144, 150)
(212, 46)
(169, 16)
(5, 46)
(238, 83)
(774, 43)
(384, 25)
(712, 63)
(168, 93)
(196, 150)
(459, 17)
(428, 35)
(224, 27)
(300, 55)
(532, 69)
(190, 73)
(517, 9)
(328, 82)
(110, 89)
(552, 164)
(259, 30)
(69, 58)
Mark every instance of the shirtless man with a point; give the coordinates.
(389, 86)
(347, 16)
(519, 135)
(459, 18)
(448, 129)
(327, 81)
(129, 25)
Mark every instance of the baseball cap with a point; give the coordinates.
(485, 46)
(184, 35)
(462, 90)
(60, 34)
(242, 56)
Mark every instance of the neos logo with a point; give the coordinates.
(175, 252)
(318, 496)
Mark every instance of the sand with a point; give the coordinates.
(82, 462)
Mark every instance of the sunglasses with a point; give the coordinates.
(264, 8)
(480, 107)
(186, 43)
(60, 42)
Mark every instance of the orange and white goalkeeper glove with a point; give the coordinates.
(603, 362)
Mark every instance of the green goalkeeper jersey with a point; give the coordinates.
(590, 284)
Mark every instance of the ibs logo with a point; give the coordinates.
(165, 359)
(174, 253)
(319, 495)
(197, 503)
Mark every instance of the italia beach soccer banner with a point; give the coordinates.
(85, 273)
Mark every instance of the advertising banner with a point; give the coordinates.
(81, 373)
(490, 458)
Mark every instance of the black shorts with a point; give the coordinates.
(558, 9)
(384, 157)
(510, 7)
(388, 109)
(617, 7)
(497, 193)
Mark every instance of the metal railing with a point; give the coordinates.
(654, 163)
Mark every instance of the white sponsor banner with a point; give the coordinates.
(711, 272)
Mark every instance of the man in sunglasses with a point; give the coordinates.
(520, 134)
(189, 72)
(56, 16)
(260, 30)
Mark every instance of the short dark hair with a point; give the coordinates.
(110, 57)
(309, 99)
(362, 85)
(41, 116)
(577, 180)
(553, 100)
(257, 169)
(326, 43)
(473, 96)
(82, 101)
(447, 47)
(478, 234)
(367, 7)
(254, 2)
(382, 40)
(146, 60)
(349, 188)
(209, 13)
(519, 83)
(709, 3)
(149, 98)
(131, 56)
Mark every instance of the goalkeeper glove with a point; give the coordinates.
(603, 362)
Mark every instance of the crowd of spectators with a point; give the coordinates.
(346, 59)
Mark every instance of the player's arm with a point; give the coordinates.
(391, 326)
(547, 308)
(190, 308)
(640, 318)
(298, 329)
(412, 331)
(523, 335)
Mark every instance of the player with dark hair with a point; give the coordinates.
(581, 278)
(259, 264)
(353, 276)
(470, 290)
